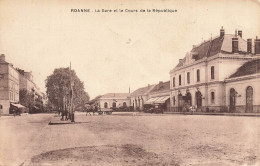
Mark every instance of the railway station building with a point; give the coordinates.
(218, 75)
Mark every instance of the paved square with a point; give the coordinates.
(179, 139)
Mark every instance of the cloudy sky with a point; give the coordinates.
(111, 52)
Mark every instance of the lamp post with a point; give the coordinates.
(72, 103)
(71, 100)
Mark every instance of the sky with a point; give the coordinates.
(111, 52)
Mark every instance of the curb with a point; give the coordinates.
(215, 114)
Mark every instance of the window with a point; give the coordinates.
(188, 77)
(198, 75)
(105, 105)
(124, 104)
(173, 82)
(173, 100)
(212, 97)
(212, 72)
(179, 79)
(1, 107)
(114, 105)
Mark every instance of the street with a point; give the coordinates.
(124, 139)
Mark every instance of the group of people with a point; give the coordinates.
(189, 109)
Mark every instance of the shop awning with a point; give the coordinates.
(162, 99)
(151, 100)
(17, 105)
(36, 107)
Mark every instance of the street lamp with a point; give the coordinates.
(72, 107)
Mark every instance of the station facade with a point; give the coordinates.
(214, 76)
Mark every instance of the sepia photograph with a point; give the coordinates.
(130, 83)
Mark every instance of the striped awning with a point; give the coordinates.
(151, 100)
(17, 105)
(162, 99)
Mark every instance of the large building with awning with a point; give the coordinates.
(9, 85)
(140, 96)
(160, 95)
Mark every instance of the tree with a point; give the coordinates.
(58, 86)
(26, 98)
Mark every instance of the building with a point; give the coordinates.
(214, 75)
(139, 96)
(160, 95)
(241, 88)
(115, 100)
(26, 82)
(9, 85)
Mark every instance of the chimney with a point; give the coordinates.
(159, 85)
(2, 57)
(249, 46)
(257, 46)
(180, 60)
(234, 45)
(222, 32)
(148, 86)
(193, 46)
(240, 33)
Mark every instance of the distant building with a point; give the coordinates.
(9, 85)
(115, 100)
(139, 96)
(26, 82)
(160, 95)
(220, 74)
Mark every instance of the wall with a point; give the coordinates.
(240, 87)
(119, 102)
(144, 97)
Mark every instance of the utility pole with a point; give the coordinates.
(71, 100)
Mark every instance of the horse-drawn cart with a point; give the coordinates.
(99, 111)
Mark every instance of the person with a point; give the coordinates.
(66, 114)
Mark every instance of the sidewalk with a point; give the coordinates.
(215, 113)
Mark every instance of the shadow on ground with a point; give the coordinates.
(99, 155)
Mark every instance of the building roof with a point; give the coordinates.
(216, 45)
(94, 100)
(142, 91)
(162, 86)
(248, 68)
(116, 95)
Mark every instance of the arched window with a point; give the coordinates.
(249, 99)
(198, 75)
(124, 104)
(188, 77)
(105, 105)
(212, 97)
(179, 79)
(198, 96)
(232, 100)
(114, 105)
(212, 70)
